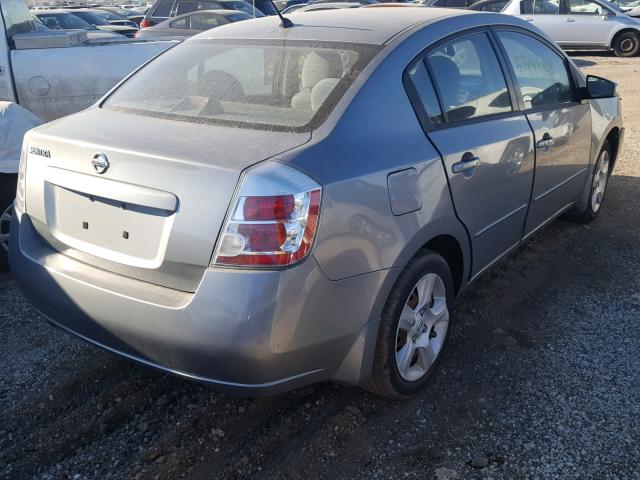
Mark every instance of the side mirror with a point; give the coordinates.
(598, 87)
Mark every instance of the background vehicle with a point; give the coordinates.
(631, 8)
(15, 121)
(113, 18)
(449, 3)
(56, 73)
(129, 15)
(191, 23)
(65, 20)
(294, 8)
(582, 24)
(96, 18)
(269, 230)
(165, 9)
(316, 7)
(495, 6)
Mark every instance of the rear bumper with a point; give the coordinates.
(248, 332)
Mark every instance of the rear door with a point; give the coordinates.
(485, 144)
(561, 124)
(544, 14)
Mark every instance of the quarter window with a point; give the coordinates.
(468, 78)
(186, 7)
(424, 88)
(541, 73)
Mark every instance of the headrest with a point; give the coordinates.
(320, 65)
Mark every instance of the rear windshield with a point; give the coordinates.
(286, 86)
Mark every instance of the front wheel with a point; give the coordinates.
(599, 182)
(414, 328)
(5, 229)
(626, 44)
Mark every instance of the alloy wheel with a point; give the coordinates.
(5, 227)
(600, 178)
(422, 328)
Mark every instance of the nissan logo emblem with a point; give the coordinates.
(100, 163)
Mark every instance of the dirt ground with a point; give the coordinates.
(540, 380)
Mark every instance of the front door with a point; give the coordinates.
(561, 125)
(486, 146)
(587, 23)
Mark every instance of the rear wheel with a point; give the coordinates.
(5, 226)
(599, 182)
(626, 44)
(414, 328)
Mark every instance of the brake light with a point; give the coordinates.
(273, 219)
(21, 188)
(145, 23)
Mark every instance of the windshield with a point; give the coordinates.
(286, 86)
(108, 16)
(64, 21)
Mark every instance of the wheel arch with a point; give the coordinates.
(619, 32)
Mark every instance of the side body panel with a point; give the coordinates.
(492, 198)
(7, 93)
(562, 169)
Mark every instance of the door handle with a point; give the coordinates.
(468, 162)
(546, 143)
(528, 19)
(569, 20)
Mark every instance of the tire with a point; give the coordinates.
(5, 224)
(398, 371)
(601, 173)
(626, 44)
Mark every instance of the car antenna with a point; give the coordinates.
(284, 21)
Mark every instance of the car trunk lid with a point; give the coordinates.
(155, 211)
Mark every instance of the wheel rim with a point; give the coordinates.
(600, 178)
(5, 228)
(422, 328)
(627, 45)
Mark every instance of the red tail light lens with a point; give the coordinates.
(145, 23)
(273, 221)
(279, 207)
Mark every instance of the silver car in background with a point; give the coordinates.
(294, 205)
(582, 24)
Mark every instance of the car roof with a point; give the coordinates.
(53, 11)
(374, 26)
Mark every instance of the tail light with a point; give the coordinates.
(21, 189)
(145, 23)
(273, 219)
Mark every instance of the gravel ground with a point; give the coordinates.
(540, 380)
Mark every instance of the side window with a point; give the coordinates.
(494, 6)
(186, 6)
(207, 5)
(455, 3)
(163, 9)
(181, 23)
(540, 72)
(422, 83)
(468, 78)
(585, 7)
(204, 22)
(539, 7)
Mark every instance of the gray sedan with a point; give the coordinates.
(291, 205)
(192, 23)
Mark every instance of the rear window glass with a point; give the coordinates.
(163, 9)
(290, 86)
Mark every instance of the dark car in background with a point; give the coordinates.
(495, 6)
(130, 15)
(162, 10)
(191, 23)
(97, 19)
(66, 20)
